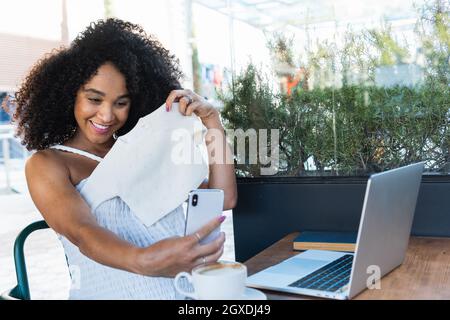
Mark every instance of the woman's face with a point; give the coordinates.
(102, 105)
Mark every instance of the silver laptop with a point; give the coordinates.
(383, 235)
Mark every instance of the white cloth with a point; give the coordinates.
(153, 167)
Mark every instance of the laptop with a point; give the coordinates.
(382, 241)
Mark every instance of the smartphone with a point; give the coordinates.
(203, 206)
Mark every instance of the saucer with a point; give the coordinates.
(253, 294)
(249, 294)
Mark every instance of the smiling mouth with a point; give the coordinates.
(99, 128)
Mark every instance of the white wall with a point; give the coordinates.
(38, 19)
(166, 19)
(41, 19)
(213, 39)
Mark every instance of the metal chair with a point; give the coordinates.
(22, 290)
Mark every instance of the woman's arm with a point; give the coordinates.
(68, 214)
(221, 162)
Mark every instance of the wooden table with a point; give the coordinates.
(425, 273)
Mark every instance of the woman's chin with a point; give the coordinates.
(100, 139)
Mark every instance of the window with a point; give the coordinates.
(353, 87)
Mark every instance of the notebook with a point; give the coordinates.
(325, 240)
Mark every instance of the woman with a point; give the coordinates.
(70, 108)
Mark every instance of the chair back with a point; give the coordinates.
(22, 290)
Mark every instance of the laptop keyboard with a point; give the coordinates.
(328, 278)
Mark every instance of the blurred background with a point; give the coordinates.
(354, 87)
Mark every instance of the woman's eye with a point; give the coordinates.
(123, 103)
(95, 100)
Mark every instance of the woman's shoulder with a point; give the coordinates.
(46, 163)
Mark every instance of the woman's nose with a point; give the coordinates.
(105, 113)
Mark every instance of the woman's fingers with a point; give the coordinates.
(204, 231)
(188, 103)
(184, 104)
(210, 258)
(213, 246)
(192, 107)
(216, 256)
(176, 95)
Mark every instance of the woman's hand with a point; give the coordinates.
(190, 102)
(170, 256)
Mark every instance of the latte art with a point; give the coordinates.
(220, 269)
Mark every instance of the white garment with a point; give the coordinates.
(91, 280)
(153, 167)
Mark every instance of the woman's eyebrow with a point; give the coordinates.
(94, 91)
(124, 96)
(103, 94)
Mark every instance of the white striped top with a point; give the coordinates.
(91, 280)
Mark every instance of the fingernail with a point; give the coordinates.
(222, 218)
(167, 107)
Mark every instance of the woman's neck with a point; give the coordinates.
(99, 149)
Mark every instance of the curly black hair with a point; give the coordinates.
(46, 98)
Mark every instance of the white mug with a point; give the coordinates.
(223, 280)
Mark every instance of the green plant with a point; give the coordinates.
(345, 124)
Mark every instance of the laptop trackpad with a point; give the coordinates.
(297, 266)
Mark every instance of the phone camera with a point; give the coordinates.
(194, 200)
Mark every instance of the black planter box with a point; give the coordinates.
(270, 208)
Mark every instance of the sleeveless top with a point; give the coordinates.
(92, 280)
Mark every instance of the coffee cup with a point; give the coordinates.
(223, 280)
